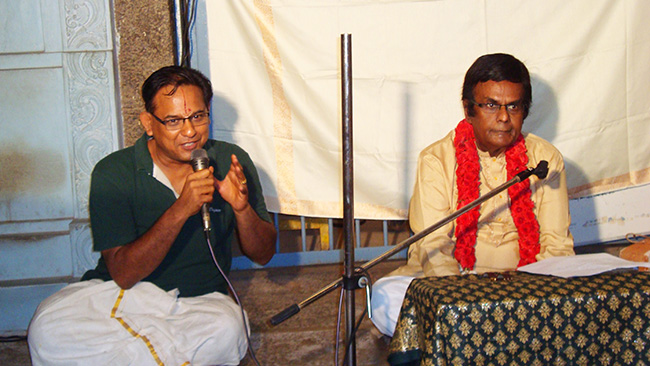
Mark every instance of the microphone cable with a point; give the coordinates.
(234, 293)
(356, 327)
(338, 329)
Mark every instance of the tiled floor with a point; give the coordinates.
(307, 338)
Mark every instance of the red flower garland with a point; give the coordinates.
(467, 181)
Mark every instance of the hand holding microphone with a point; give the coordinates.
(233, 188)
(200, 161)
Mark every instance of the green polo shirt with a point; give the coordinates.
(126, 200)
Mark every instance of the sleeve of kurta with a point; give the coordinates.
(431, 202)
(553, 210)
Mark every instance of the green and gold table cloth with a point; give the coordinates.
(518, 318)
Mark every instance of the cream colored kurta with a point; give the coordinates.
(435, 197)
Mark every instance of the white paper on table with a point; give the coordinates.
(580, 265)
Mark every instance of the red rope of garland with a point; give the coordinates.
(467, 181)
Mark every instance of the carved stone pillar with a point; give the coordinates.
(90, 93)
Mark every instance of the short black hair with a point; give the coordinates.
(497, 67)
(175, 76)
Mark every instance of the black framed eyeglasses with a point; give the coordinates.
(175, 124)
(513, 109)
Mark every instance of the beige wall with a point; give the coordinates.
(144, 43)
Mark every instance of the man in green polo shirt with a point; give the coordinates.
(156, 295)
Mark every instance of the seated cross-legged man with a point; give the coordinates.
(156, 296)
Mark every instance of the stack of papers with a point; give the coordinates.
(581, 265)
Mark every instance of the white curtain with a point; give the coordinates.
(275, 67)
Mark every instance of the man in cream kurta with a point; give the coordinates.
(435, 196)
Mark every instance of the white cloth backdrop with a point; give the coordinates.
(275, 66)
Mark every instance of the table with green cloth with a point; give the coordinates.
(517, 318)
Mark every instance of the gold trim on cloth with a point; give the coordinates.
(611, 184)
(282, 121)
(362, 210)
(131, 331)
(525, 319)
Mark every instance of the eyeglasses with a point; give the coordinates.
(175, 124)
(513, 109)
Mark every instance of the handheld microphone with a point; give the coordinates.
(200, 161)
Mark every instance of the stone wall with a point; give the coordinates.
(144, 40)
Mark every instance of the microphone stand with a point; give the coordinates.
(354, 279)
(349, 284)
(350, 279)
(540, 171)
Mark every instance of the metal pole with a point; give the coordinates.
(179, 25)
(348, 195)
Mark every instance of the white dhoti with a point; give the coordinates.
(98, 323)
(387, 297)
